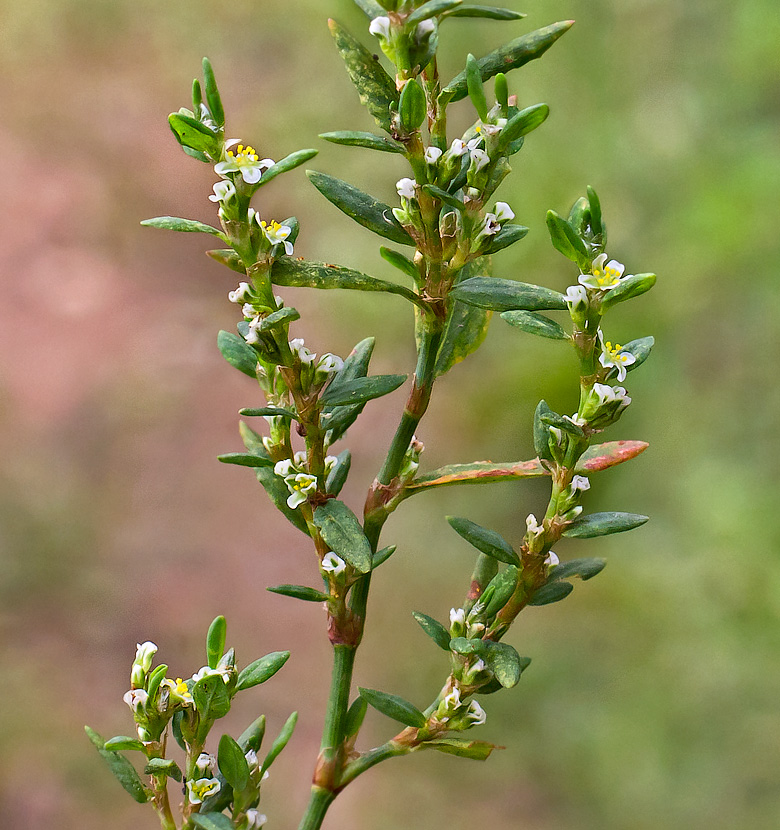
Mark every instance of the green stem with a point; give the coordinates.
(372, 758)
(321, 799)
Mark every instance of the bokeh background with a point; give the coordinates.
(654, 697)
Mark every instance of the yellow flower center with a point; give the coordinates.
(244, 156)
(614, 352)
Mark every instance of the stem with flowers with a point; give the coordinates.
(449, 218)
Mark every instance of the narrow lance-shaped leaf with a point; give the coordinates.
(371, 8)
(361, 390)
(583, 568)
(627, 289)
(486, 541)
(212, 821)
(271, 411)
(522, 123)
(394, 707)
(215, 641)
(476, 750)
(337, 477)
(191, 133)
(123, 742)
(355, 716)
(508, 235)
(337, 419)
(288, 163)
(602, 524)
(232, 763)
(122, 769)
(213, 98)
(434, 629)
(343, 534)
(641, 349)
(550, 593)
(489, 12)
(475, 473)
(431, 9)
(603, 456)
(299, 592)
(245, 459)
(174, 223)
(238, 353)
(364, 209)
(412, 106)
(533, 323)
(399, 261)
(281, 741)
(507, 295)
(354, 138)
(475, 88)
(261, 670)
(566, 241)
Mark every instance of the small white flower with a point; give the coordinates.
(491, 226)
(255, 819)
(432, 155)
(580, 483)
(178, 690)
(615, 356)
(299, 459)
(476, 714)
(330, 463)
(241, 294)
(479, 158)
(424, 28)
(251, 759)
(144, 654)
(244, 161)
(576, 295)
(457, 148)
(135, 699)
(577, 420)
(380, 26)
(457, 617)
(223, 191)
(330, 364)
(603, 276)
(201, 789)
(473, 144)
(491, 129)
(204, 762)
(405, 188)
(533, 527)
(300, 486)
(284, 468)
(277, 234)
(503, 212)
(304, 355)
(452, 700)
(552, 560)
(248, 310)
(333, 564)
(207, 671)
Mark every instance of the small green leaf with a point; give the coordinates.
(507, 295)
(394, 707)
(583, 568)
(508, 235)
(337, 477)
(401, 262)
(238, 353)
(361, 390)
(364, 209)
(602, 524)
(155, 679)
(213, 98)
(212, 821)
(463, 645)
(356, 138)
(232, 763)
(191, 133)
(579, 216)
(371, 8)
(278, 319)
(412, 106)
(486, 541)
(542, 431)
(505, 663)
(288, 163)
(244, 459)
(641, 349)
(475, 87)
(271, 411)
(229, 258)
(252, 736)
(343, 534)
(512, 55)
(430, 9)
(596, 223)
(501, 588)
(522, 123)
(434, 629)
(355, 715)
(444, 196)
(122, 742)
(476, 750)
(261, 670)
(566, 241)
(281, 741)
(627, 289)
(122, 769)
(535, 324)
(375, 87)
(551, 592)
(337, 419)
(174, 223)
(382, 555)
(602, 456)
(211, 697)
(215, 641)
(299, 592)
(553, 419)
(502, 91)
(163, 766)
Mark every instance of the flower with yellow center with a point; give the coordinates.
(277, 234)
(603, 275)
(178, 691)
(244, 161)
(201, 789)
(614, 356)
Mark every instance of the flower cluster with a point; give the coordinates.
(244, 161)
(299, 481)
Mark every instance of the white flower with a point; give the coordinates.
(223, 191)
(244, 161)
(405, 188)
(457, 148)
(533, 527)
(576, 419)
(479, 158)
(424, 28)
(136, 699)
(202, 789)
(490, 227)
(614, 356)
(241, 294)
(476, 714)
(492, 129)
(576, 297)
(603, 276)
(255, 819)
(277, 234)
(248, 310)
(610, 394)
(473, 144)
(251, 759)
(178, 690)
(380, 26)
(457, 617)
(333, 564)
(299, 459)
(552, 560)
(330, 364)
(144, 653)
(207, 671)
(503, 212)
(284, 468)
(330, 463)
(300, 486)
(580, 483)
(304, 355)
(204, 762)
(432, 155)
(452, 700)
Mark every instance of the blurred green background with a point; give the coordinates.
(654, 697)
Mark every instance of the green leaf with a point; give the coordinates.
(355, 138)
(462, 645)
(641, 349)
(212, 821)
(355, 715)
(551, 592)
(337, 419)
(566, 241)
(583, 568)
(278, 319)
(238, 353)
(191, 133)
(500, 589)
(244, 459)
(579, 216)
(553, 419)
(465, 330)
(394, 707)
(174, 223)
(122, 769)
(486, 541)
(412, 106)
(163, 766)
(155, 679)
(505, 663)
(273, 411)
(299, 592)
(123, 742)
(476, 750)
(475, 473)
(252, 736)
(602, 524)
(382, 555)
(596, 224)
(343, 534)
(303, 274)
(361, 390)
(430, 9)
(522, 123)
(434, 629)
(211, 697)
(535, 324)
(176, 729)
(232, 763)
(364, 209)
(542, 431)
(401, 262)
(475, 88)
(489, 12)
(627, 289)
(213, 98)
(288, 163)
(337, 477)
(502, 92)
(375, 87)
(507, 295)
(444, 196)
(508, 235)
(261, 670)
(602, 456)
(512, 55)
(281, 741)
(215, 641)
(229, 258)
(370, 7)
